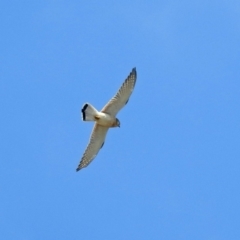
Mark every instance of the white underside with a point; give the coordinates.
(105, 119)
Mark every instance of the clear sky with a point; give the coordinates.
(172, 171)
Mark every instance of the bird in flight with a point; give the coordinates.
(105, 119)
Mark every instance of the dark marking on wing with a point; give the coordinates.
(102, 145)
(126, 102)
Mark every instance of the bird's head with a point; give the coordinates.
(116, 123)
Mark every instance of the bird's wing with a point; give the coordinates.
(95, 144)
(122, 96)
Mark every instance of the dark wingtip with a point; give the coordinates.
(78, 169)
(134, 71)
(83, 112)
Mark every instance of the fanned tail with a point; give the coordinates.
(88, 112)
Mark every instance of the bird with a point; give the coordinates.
(105, 119)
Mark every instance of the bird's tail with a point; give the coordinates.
(88, 112)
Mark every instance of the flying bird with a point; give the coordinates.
(105, 119)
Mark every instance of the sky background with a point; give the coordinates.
(171, 171)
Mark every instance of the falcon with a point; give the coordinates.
(105, 119)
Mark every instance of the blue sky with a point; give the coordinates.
(171, 171)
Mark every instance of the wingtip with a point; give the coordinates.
(134, 71)
(78, 169)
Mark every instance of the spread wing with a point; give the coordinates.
(122, 96)
(95, 144)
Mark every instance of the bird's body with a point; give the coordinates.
(105, 119)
